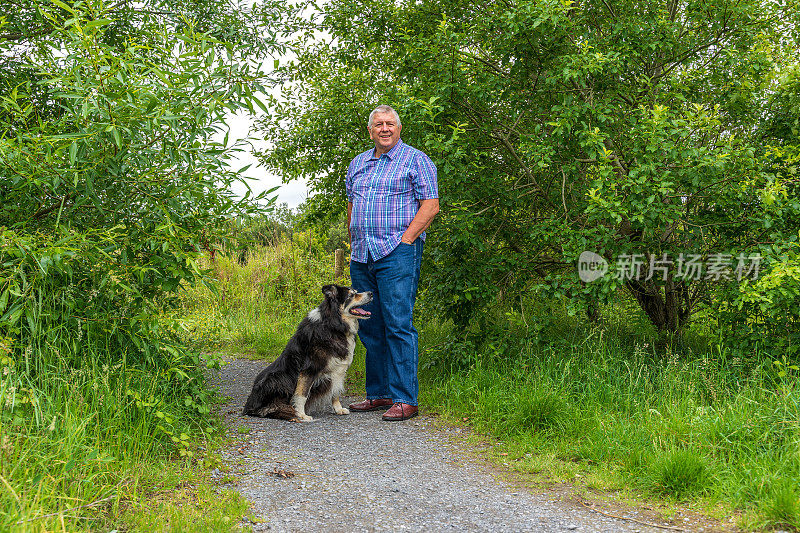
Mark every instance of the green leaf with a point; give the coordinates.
(97, 23)
(13, 314)
(63, 6)
(260, 104)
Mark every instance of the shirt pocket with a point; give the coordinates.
(361, 185)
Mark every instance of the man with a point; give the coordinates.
(392, 198)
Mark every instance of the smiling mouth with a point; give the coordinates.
(357, 311)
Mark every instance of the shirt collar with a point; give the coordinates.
(391, 154)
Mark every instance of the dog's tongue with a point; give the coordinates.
(359, 311)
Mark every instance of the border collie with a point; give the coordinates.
(312, 367)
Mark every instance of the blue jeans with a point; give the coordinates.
(389, 336)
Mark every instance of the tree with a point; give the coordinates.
(109, 168)
(630, 129)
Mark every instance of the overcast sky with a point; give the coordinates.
(292, 193)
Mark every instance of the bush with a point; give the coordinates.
(110, 175)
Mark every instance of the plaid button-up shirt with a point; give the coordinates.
(385, 193)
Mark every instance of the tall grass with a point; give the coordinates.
(689, 423)
(258, 303)
(80, 440)
(96, 396)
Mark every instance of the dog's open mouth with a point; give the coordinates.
(357, 311)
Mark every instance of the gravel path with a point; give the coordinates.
(359, 473)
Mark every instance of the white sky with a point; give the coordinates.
(292, 193)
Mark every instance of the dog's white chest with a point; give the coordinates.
(351, 347)
(351, 338)
(336, 365)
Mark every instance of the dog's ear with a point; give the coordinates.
(330, 291)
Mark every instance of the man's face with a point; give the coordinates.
(385, 131)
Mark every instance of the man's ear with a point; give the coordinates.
(329, 291)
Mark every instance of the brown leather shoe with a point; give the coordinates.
(371, 405)
(400, 411)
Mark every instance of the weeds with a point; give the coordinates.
(93, 388)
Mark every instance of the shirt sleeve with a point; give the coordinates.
(348, 180)
(424, 180)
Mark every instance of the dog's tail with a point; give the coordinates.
(271, 392)
(276, 410)
(250, 405)
(253, 404)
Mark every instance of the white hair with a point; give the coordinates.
(384, 109)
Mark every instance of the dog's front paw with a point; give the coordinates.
(343, 411)
(305, 418)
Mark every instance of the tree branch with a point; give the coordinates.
(47, 210)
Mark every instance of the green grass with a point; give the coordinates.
(680, 473)
(185, 500)
(83, 450)
(100, 406)
(686, 426)
(782, 508)
(257, 304)
(610, 408)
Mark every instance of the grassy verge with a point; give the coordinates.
(600, 407)
(604, 409)
(182, 499)
(103, 447)
(101, 407)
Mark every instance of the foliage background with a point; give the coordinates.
(616, 127)
(619, 127)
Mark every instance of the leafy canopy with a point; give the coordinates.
(112, 171)
(615, 127)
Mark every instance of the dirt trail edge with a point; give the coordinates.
(359, 473)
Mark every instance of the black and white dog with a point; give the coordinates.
(311, 370)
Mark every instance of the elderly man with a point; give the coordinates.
(392, 198)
